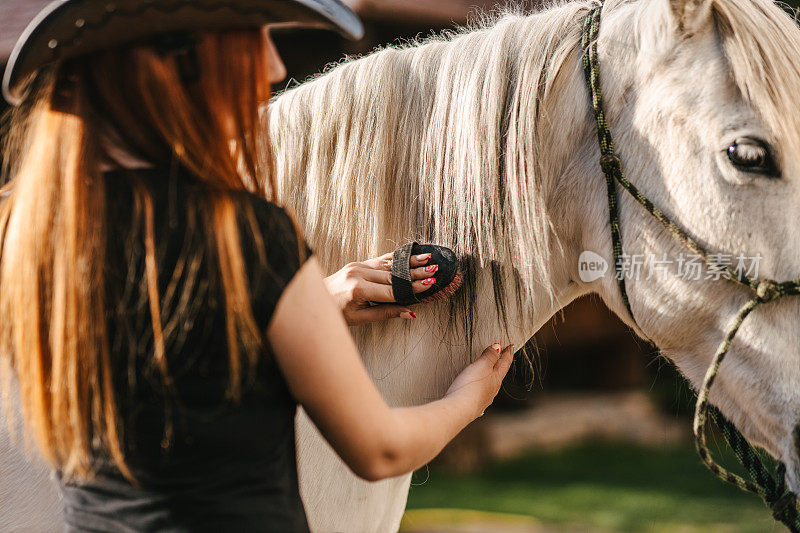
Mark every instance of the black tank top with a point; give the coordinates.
(225, 466)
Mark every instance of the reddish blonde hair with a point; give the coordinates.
(53, 331)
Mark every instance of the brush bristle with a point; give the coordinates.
(447, 292)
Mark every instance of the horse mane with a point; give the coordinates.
(441, 139)
(436, 140)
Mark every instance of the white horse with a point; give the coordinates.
(483, 141)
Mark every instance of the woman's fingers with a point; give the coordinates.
(504, 362)
(383, 262)
(492, 353)
(423, 277)
(368, 291)
(382, 312)
(373, 278)
(425, 272)
(424, 285)
(500, 358)
(419, 260)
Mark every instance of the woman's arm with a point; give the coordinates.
(322, 366)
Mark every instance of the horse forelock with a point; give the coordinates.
(762, 45)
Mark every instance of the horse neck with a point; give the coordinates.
(467, 143)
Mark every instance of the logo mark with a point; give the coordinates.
(591, 267)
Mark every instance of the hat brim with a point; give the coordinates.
(70, 28)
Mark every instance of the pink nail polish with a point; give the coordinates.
(429, 281)
(423, 257)
(431, 268)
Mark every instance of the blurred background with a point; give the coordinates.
(597, 437)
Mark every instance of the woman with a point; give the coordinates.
(162, 318)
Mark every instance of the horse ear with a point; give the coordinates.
(689, 15)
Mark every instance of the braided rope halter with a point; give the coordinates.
(770, 487)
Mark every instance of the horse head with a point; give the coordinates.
(700, 95)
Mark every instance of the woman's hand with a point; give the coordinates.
(363, 291)
(480, 382)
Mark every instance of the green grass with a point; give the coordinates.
(602, 486)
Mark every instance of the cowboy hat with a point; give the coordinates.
(65, 29)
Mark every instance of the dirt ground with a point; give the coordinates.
(563, 419)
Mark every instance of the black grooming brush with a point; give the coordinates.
(448, 276)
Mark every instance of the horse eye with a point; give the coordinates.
(753, 155)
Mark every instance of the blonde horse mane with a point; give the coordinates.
(437, 141)
(454, 139)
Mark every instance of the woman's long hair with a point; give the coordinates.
(53, 325)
